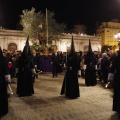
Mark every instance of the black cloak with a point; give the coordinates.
(70, 85)
(25, 65)
(90, 72)
(4, 70)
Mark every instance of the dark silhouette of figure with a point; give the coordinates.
(70, 85)
(115, 68)
(4, 78)
(104, 67)
(60, 62)
(90, 72)
(26, 71)
(37, 63)
(55, 61)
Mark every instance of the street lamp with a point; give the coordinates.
(118, 37)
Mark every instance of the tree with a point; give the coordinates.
(31, 21)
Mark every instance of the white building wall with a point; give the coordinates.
(12, 36)
(80, 41)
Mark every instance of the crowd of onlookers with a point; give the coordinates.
(99, 63)
(103, 62)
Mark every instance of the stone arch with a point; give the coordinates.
(12, 47)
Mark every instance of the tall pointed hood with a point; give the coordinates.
(72, 51)
(26, 49)
(89, 47)
(90, 53)
(72, 46)
(1, 56)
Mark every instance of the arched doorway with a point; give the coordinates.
(12, 47)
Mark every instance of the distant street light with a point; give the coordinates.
(118, 37)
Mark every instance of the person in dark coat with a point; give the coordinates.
(4, 77)
(55, 61)
(60, 62)
(26, 70)
(37, 63)
(70, 86)
(104, 67)
(79, 59)
(115, 68)
(90, 72)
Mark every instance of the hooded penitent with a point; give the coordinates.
(72, 46)
(70, 84)
(90, 61)
(25, 65)
(89, 47)
(72, 52)
(1, 56)
(90, 53)
(26, 54)
(26, 50)
(3, 85)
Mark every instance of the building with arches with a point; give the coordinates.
(12, 39)
(81, 42)
(15, 40)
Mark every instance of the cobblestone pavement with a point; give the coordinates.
(95, 103)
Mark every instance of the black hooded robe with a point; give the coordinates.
(25, 80)
(4, 70)
(115, 68)
(25, 65)
(90, 72)
(70, 85)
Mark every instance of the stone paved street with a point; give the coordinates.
(95, 103)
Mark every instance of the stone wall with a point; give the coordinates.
(15, 39)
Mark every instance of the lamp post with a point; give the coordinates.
(118, 37)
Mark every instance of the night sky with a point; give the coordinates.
(70, 12)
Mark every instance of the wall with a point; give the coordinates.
(80, 41)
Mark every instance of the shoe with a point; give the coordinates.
(56, 76)
(53, 76)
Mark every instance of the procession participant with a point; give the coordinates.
(26, 70)
(115, 69)
(90, 71)
(4, 80)
(70, 86)
(55, 61)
